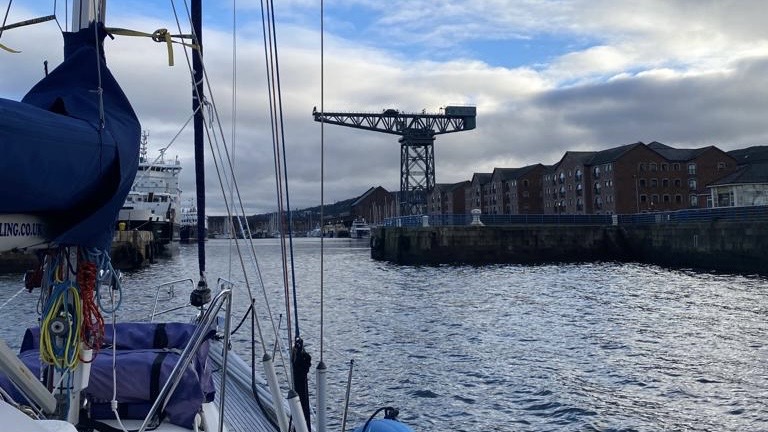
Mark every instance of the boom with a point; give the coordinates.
(417, 132)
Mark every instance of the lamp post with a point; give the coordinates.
(637, 194)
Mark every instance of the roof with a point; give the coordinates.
(750, 154)
(482, 178)
(581, 157)
(755, 173)
(458, 185)
(612, 154)
(677, 155)
(506, 174)
(366, 195)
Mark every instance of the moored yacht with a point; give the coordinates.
(359, 229)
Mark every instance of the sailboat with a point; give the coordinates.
(81, 369)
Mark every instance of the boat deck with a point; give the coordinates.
(242, 412)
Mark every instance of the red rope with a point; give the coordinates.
(93, 322)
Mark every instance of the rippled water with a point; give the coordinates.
(557, 347)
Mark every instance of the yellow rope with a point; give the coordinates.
(3, 47)
(159, 35)
(70, 358)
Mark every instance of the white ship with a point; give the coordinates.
(188, 224)
(153, 202)
(359, 229)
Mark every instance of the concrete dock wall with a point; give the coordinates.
(723, 246)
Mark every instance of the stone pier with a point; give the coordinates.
(722, 246)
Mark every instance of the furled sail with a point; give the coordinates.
(70, 148)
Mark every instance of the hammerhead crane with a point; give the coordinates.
(417, 137)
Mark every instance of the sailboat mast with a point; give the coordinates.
(85, 11)
(197, 96)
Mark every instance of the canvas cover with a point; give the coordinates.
(146, 355)
(57, 162)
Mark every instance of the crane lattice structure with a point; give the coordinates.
(417, 137)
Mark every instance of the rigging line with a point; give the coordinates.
(267, 34)
(5, 19)
(228, 159)
(247, 233)
(234, 108)
(99, 50)
(285, 174)
(56, 18)
(173, 141)
(12, 297)
(322, 176)
(221, 185)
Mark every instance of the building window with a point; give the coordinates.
(578, 174)
(665, 183)
(678, 199)
(642, 183)
(692, 168)
(643, 167)
(597, 172)
(666, 199)
(694, 200)
(654, 183)
(720, 166)
(692, 184)
(643, 198)
(676, 167)
(678, 183)
(654, 199)
(664, 167)
(653, 166)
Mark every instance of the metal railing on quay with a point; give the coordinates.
(724, 214)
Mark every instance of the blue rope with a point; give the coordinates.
(104, 264)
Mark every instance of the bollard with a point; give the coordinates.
(476, 218)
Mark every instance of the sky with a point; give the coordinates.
(546, 77)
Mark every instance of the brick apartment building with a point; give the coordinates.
(632, 178)
(375, 205)
(447, 198)
(516, 190)
(566, 186)
(476, 194)
(684, 176)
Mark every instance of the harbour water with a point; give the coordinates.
(596, 346)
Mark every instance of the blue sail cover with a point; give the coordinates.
(56, 160)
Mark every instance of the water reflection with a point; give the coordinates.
(600, 346)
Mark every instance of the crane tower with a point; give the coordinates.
(417, 137)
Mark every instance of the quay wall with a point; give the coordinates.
(740, 247)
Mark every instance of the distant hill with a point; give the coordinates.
(303, 219)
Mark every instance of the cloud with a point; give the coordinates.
(684, 73)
